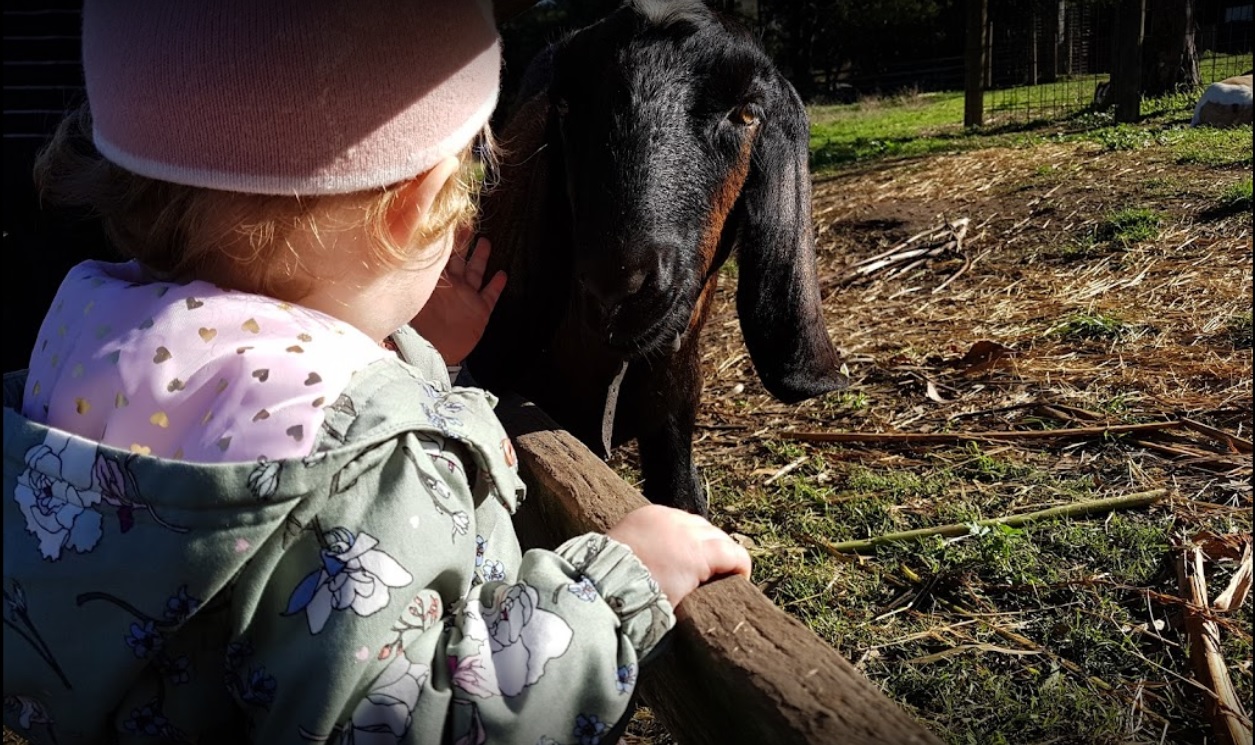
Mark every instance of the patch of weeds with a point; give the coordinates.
(1130, 548)
(730, 268)
(1129, 226)
(1170, 105)
(996, 700)
(1207, 146)
(1086, 326)
(1237, 196)
(845, 400)
(1045, 169)
(984, 467)
(1122, 137)
(1082, 248)
(785, 451)
(898, 483)
(1162, 186)
(1117, 405)
(1239, 330)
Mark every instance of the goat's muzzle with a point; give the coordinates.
(637, 304)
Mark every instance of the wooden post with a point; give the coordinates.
(1126, 77)
(736, 668)
(976, 58)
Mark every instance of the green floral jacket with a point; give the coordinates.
(371, 592)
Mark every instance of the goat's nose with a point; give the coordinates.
(614, 283)
(635, 281)
(611, 289)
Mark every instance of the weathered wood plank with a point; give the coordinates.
(737, 668)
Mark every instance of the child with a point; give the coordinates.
(242, 505)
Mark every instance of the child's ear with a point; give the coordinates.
(415, 198)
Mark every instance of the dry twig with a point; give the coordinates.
(959, 437)
(1075, 509)
(1228, 717)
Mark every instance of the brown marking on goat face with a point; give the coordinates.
(724, 199)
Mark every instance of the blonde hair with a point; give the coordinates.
(187, 232)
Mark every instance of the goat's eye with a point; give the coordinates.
(744, 115)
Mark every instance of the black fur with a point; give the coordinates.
(643, 150)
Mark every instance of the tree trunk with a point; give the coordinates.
(1169, 56)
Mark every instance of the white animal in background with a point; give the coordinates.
(1225, 104)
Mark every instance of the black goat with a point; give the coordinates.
(642, 150)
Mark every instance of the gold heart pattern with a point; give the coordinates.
(187, 363)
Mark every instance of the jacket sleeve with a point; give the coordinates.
(401, 609)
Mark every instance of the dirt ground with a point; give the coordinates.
(1027, 208)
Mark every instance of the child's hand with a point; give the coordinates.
(455, 317)
(680, 549)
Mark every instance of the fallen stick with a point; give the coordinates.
(967, 264)
(956, 437)
(1242, 446)
(1239, 585)
(1228, 717)
(1075, 509)
(902, 245)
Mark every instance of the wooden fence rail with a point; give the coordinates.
(738, 669)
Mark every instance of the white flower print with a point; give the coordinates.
(385, 715)
(494, 571)
(523, 637)
(56, 496)
(584, 590)
(590, 729)
(30, 711)
(263, 482)
(625, 678)
(441, 493)
(443, 416)
(354, 575)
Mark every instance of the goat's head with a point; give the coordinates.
(680, 141)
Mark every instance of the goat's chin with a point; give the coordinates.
(649, 332)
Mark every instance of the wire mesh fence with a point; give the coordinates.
(1049, 60)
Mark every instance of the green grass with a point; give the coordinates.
(1085, 326)
(887, 128)
(1239, 330)
(918, 124)
(1207, 146)
(1237, 196)
(1130, 225)
(899, 614)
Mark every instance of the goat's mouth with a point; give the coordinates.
(638, 328)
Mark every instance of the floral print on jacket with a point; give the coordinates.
(370, 591)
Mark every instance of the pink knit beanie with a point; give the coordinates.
(291, 97)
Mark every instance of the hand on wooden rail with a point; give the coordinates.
(680, 549)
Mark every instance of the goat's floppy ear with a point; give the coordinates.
(778, 296)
